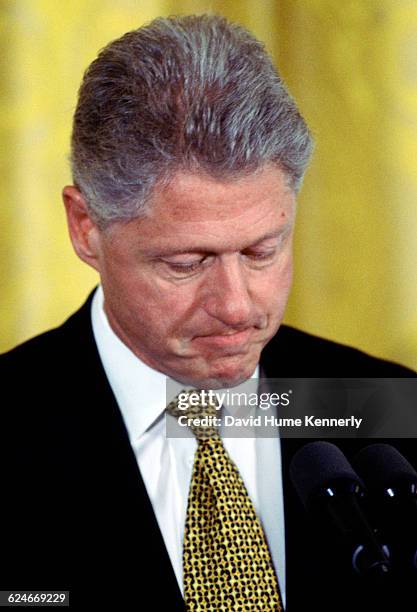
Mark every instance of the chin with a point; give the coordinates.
(226, 376)
(205, 372)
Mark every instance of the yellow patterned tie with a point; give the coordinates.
(226, 561)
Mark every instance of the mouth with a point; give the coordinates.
(229, 339)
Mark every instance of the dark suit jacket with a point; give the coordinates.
(75, 514)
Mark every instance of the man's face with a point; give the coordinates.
(199, 286)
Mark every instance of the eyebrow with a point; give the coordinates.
(275, 234)
(191, 249)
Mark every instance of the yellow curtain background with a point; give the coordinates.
(352, 66)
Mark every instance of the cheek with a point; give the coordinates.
(286, 277)
(163, 310)
(285, 270)
(276, 285)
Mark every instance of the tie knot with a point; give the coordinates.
(201, 411)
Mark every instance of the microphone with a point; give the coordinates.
(393, 482)
(330, 491)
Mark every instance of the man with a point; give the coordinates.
(187, 154)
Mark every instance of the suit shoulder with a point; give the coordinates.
(298, 353)
(41, 347)
(51, 345)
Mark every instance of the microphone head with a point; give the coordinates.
(317, 466)
(382, 467)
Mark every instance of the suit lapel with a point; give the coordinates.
(122, 541)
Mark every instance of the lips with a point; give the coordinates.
(229, 339)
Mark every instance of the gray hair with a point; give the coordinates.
(193, 93)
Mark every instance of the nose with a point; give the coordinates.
(227, 295)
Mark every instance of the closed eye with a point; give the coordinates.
(266, 253)
(260, 255)
(259, 259)
(186, 267)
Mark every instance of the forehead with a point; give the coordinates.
(200, 198)
(198, 213)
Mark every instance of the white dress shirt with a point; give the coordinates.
(166, 463)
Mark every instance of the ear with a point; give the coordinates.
(83, 232)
